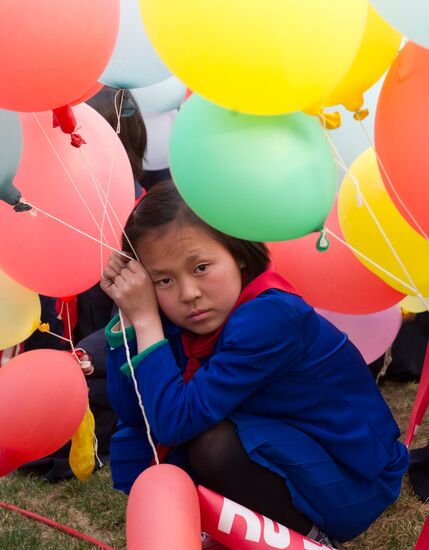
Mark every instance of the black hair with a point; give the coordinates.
(163, 206)
(109, 102)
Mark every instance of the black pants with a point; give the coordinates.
(222, 465)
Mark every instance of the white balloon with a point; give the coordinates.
(134, 62)
(162, 97)
(410, 17)
(158, 128)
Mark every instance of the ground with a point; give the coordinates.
(95, 509)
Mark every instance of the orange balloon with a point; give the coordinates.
(334, 279)
(41, 253)
(163, 511)
(402, 134)
(52, 52)
(43, 397)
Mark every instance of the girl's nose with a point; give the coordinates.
(190, 290)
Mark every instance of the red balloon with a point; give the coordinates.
(43, 398)
(163, 511)
(52, 52)
(402, 134)
(90, 92)
(335, 279)
(237, 527)
(40, 252)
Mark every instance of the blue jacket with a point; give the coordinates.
(302, 398)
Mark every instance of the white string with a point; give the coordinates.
(66, 170)
(378, 224)
(136, 388)
(364, 257)
(37, 209)
(404, 206)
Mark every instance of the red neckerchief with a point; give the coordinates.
(200, 346)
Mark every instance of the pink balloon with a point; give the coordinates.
(52, 52)
(163, 511)
(41, 253)
(334, 279)
(372, 334)
(43, 398)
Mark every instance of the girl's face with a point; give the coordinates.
(197, 280)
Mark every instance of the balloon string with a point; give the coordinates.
(389, 181)
(364, 257)
(66, 170)
(378, 224)
(37, 209)
(136, 388)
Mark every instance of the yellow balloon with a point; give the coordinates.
(361, 231)
(263, 58)
(412, 304)
(19, 312)
(378, 49)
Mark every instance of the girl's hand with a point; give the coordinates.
(130, 287)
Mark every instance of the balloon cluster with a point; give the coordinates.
(250, 159)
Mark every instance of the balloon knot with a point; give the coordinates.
(44, 327)
(330, 121)
(22, 206)
(77, 140)
(322, 242)
(361, 114)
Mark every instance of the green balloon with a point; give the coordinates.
(261, 178)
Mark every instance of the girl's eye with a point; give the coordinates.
(164, 282)
(201, 268)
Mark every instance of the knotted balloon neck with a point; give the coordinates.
(64, 118)
(322, 242)
(361, 114)
(330, 121)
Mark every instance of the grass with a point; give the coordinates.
(96, 510)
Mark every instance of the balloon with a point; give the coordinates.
(257, 178)
(43, 397)
(362, 233)
(134, 62)
(408, 16)
(349, 138)
(90, 92)
(158, 130)
(40, 252)
(333, 279)
(378, 49)
(412, 304)
(372, 334)
(52, 52)
(160, 98)
(10, 155)
(19, 312)
(402, 132)
(265, 60)
(237, 527)
(163, 511)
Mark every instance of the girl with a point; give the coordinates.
(272, 405)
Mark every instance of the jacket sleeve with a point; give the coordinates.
(261, 339)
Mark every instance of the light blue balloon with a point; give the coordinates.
(162, 97)
(10, 155)
(410, 17)
(134, 62)
(350, 139)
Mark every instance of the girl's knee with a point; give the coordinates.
(211, 451)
